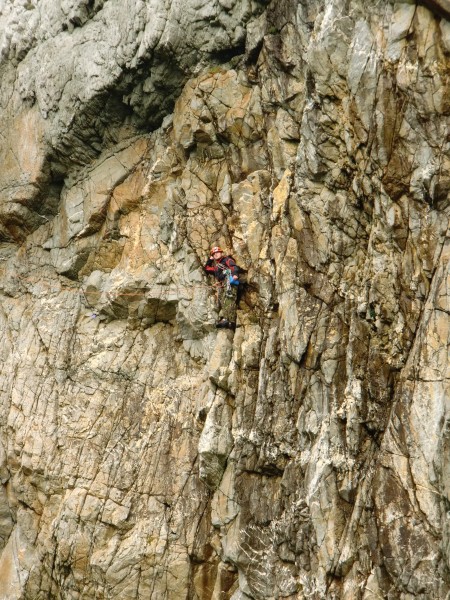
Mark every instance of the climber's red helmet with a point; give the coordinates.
(216, 250)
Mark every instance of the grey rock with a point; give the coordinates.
(143, 452)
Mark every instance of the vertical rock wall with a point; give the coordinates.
(145, 454)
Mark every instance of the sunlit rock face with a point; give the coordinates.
(146, 454)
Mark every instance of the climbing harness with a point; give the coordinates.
(228, 281)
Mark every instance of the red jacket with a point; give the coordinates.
(218, 268)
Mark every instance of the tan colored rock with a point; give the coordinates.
(145, 454)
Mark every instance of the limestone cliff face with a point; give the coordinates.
(145, 454)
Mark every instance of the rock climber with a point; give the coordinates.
(226, 272)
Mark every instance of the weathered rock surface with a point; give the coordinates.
(143, 453)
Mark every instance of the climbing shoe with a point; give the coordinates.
(225, 324)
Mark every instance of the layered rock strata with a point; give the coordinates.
(143, 453)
